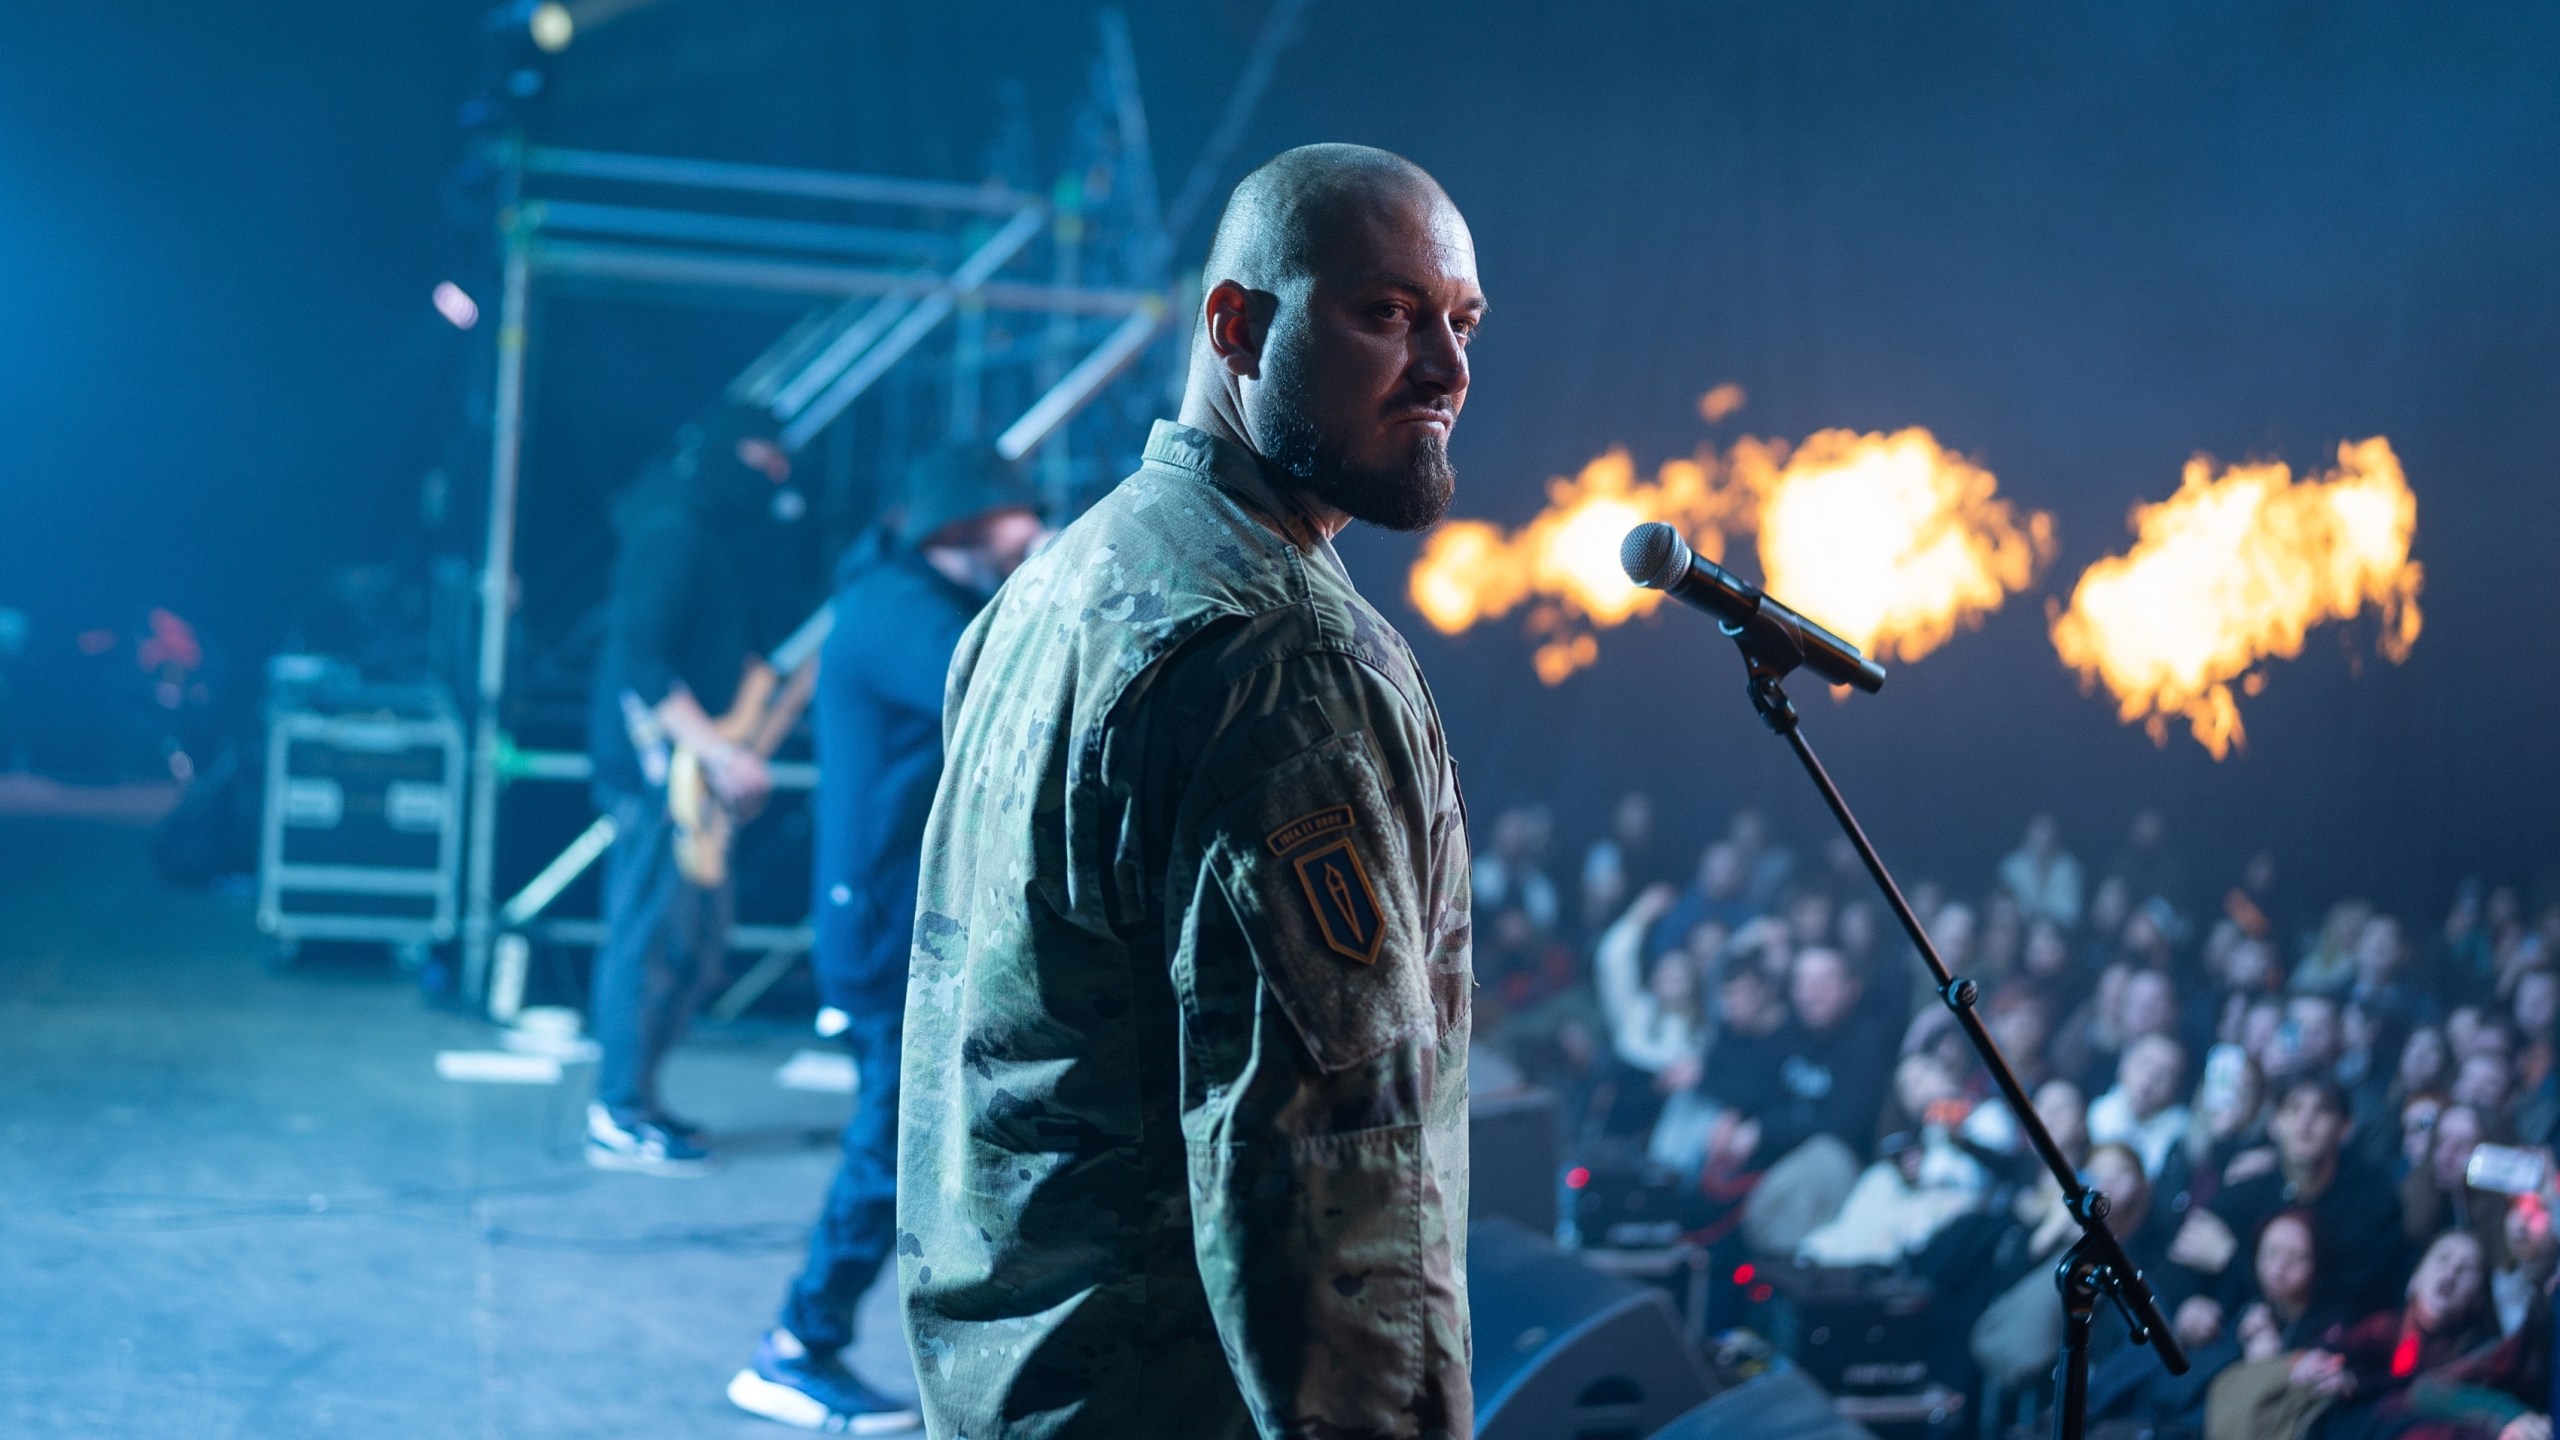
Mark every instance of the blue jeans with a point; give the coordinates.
(665, 950)
(854, 1235)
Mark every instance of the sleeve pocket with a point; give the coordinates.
(1324, 883)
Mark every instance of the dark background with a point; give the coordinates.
(2078, 244)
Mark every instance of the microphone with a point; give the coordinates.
(1655, 557)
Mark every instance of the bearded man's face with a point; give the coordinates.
(1364, 368)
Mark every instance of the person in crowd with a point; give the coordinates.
(2146, 864)
(1819, 1116)
(1808, 913)
(2251, 904)
(2382, 987)
(2463, 1027)
(2004, 937)
(1989, 1260)
(2092, 1033)
(1619, 863)
(1951, 927)
(2353, 1213)
(1857, 932)
(2142, 1112)
(2438, 1195)
(2306, 1046)
(1717, 895)
(2421, 1067)
(2151, 936)
(2482, 1082)
(2467, 953)
(903, 597)
(1600, 891)
(2044, 960)
(2284, 1316)
(1741, 1069)
(1767, 864)
(2145, 1228)
(2110, 905)
(1657, 1023)
(2043, 877)
(2330, 966)
(1828, 1067)
(1508, 872)
(2529, 1253)
(2364, 1055)
(2020, 1019)
(689, 605)
(1921, 1178)
(2534, 1005)
(2226, 1140)
(2147, 1004)
(2425, 1065)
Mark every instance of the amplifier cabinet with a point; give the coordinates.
(361, 836)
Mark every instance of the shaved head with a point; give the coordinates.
(1340, 295)
(1281, 215)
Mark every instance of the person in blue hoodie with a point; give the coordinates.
(903, 595)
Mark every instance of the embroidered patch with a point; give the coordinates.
(1329, 821)
(1337, 886)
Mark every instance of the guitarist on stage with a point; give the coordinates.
(701, 545)
(903, 597)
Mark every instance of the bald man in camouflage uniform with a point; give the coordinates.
(1183, 1145)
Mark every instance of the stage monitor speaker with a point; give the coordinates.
(1512, 1139)
(1782, 1404)
(1563, 1352)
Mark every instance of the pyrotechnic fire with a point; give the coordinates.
(1888, 539)
(1566, 559)
(1721, 401)
(2234, 569)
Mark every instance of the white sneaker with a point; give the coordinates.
(645, 1147)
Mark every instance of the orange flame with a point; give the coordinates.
(1565, 559)
(1888, 539)
(2234, 569)
(1721, 401)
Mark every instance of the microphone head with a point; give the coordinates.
(1652, 554)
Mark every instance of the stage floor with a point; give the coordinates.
(239, 1205)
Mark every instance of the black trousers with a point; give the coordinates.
(860, 1224)
(665, 951)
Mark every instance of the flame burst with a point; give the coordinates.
(2234, 569)
(1888, 539)
(1566, 559)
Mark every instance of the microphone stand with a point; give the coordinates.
(2096, 1263)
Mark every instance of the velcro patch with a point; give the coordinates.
(1329, 821)
(1347, 912)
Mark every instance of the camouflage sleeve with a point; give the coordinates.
(1321, 984)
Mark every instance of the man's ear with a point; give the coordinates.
(1237, 320)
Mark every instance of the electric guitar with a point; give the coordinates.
(771, 696)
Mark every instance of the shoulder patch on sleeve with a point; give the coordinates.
(1333, 819)
(1346, 905)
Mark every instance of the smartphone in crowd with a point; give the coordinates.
(2507, 1169)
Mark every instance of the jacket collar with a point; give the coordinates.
(1239, 472)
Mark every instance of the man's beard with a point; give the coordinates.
(1411, 493)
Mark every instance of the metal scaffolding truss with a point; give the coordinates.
(899, 258)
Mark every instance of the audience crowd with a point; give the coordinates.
(2325, 1133)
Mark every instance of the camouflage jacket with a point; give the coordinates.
(1183, 1124)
